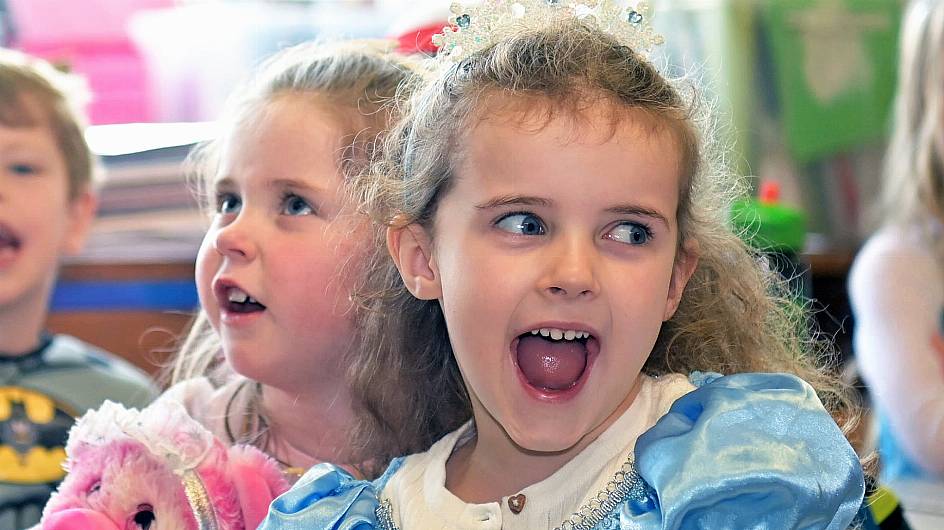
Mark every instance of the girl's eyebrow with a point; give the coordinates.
(524, 200)
(632, 209)
(229, 182)
(294, 184)
(517, 200)
(223, 183)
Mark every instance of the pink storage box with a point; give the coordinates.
(91, 38)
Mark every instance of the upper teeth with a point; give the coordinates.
(239, 296)
(558, 334)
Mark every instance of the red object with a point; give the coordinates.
(769, 192)
(420, 40)
(937, 342)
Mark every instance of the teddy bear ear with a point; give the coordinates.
(258, 480)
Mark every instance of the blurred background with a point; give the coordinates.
(805, 85)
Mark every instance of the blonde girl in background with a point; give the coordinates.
(266, 359)
(897, 281)
(556, 216)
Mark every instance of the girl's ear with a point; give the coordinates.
(685, 264)
(411, 251)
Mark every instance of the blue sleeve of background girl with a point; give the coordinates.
(326, 498)
(747, 451)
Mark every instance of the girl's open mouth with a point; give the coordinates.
(236, 300)
(553, 360)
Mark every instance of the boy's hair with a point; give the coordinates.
(732, 317)
(34, 94)
(359, 81)
(914, 164)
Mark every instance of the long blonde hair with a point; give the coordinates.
(360, 80)
(735, 314)
(913, 190)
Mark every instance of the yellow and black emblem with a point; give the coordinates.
(33, 432)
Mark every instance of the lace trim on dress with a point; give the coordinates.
(626, 484)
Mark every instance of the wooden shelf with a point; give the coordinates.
(126, 271)
(146, 337)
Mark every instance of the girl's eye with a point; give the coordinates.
(228, 203)
(630, 233)
(294, 205)
(22, 169)
(522, 223)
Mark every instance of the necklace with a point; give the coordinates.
(625, 484)
(255, 428)
(256, 431)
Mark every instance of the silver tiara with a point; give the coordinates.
(474, 28)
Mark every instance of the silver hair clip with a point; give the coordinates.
(473, 28)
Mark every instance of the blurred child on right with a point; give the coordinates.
(897, 282)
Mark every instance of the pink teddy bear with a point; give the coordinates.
(158, 469)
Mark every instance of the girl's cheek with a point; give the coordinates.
(205, 269)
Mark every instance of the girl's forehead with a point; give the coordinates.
(282, 139)
(499, 149)
(306, 119)
(583, 120)
(583, 111)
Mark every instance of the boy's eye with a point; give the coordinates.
(294, 205)
(522, 223)
(228, 203)
(630, 233)
(22, 169)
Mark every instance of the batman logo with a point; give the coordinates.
(33, 432)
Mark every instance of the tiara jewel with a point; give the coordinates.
(473, 28)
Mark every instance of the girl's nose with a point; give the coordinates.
(236, 240)
(571, 271)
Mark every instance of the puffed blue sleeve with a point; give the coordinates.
(326, 497)
(746, 451)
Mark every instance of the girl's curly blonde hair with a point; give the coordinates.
(735, 315)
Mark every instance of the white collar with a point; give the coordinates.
(421, 500)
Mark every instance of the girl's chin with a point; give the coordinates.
(549, 439)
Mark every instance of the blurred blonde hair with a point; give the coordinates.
(29, 84)
(913, 191)
(736, 315)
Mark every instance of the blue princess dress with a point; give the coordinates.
(747, 451)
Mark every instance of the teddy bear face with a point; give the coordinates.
(137, 470)
(119, 486)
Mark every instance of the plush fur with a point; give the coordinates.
(116, 481)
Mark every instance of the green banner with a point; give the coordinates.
(835, 67)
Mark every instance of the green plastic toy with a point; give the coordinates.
(766, 224)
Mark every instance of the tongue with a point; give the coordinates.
(554, 365)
